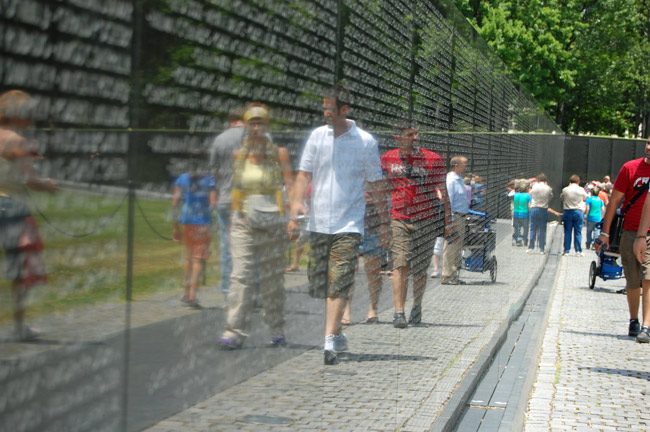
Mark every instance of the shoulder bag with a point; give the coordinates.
(616, 227)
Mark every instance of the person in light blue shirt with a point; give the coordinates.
(479, 189)
(520, 214)
(594, 209)
(459, 203)
(458, 199)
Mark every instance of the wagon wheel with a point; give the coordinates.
(493, 269)
(592, 274)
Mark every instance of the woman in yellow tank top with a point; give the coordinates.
(258, 239)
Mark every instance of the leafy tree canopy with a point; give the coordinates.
(585, 61)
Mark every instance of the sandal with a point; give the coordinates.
(372, 320)
(291, 269)
(346, 322)
(194, 304)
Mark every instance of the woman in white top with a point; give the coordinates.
(541, 194)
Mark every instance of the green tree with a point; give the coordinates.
(585, 61)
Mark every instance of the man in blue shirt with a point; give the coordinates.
(459, 203)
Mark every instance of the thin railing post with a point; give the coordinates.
(135, 98)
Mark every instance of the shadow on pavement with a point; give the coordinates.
(644, 375)
(352, 357)
(610, 335)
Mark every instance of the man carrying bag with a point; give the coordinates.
(630, 189)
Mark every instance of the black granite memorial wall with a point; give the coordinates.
(129, 94)
(592, 157)
(102, 72)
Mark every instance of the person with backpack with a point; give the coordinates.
(258, 238)
(630, 190)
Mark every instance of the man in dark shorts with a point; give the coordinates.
(417, 181)
(631, 183)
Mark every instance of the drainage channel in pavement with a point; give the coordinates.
(501, 397)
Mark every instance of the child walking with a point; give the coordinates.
(197, 195)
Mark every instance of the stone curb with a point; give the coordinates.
(454, 408)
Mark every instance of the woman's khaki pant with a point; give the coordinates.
(259, 258)
(451, 261)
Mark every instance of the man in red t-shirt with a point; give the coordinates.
(632, 181)
(417, 182)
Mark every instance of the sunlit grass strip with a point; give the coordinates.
(85, 252)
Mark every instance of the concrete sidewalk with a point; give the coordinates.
(591, 375)
(391, 379)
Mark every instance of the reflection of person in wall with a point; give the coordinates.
(478, 193)
(196, 191)
(258, 237)
(221, 151)
(372, 251)
(417, 180)
(301, 240)
(455, 233)
(468, 186)
(19, 233)
(341, 160)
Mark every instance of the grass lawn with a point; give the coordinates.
(85, 238)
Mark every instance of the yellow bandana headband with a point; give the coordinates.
(256, 112)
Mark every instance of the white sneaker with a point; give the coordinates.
(27, 334)
(435, 274)
(529, 251)
(580, 254)
(336, 343)
(340, 343)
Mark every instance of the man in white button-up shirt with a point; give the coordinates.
(340, 160)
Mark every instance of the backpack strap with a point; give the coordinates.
(644, 189)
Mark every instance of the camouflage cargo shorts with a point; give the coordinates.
(332, 261)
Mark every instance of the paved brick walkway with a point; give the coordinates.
(591, 374)
(391, 379)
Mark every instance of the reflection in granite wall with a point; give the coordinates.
(133, 92)
(175, 68)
